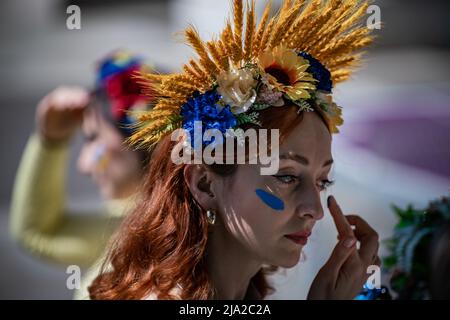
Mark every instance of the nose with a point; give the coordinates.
(309, 203)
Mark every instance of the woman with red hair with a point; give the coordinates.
(215, 230)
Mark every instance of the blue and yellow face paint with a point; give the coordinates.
(270, 200)
(101, 158)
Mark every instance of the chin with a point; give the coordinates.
(289, 259)
(107, 193)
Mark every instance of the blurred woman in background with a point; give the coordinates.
(40, 220)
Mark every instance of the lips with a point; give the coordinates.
(299, 237)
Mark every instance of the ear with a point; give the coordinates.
(199, 181)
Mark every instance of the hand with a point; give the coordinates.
(59, 114)
(345, 272)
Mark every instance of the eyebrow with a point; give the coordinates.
(303, 160)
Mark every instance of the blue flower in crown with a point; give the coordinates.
(319, 72)
(206, 108)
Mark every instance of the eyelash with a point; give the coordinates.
(325, 184)
(90, 137)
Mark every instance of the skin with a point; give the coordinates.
(248, 233)
(115, 169)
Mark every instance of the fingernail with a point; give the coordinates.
(348, 243)
(329, 201)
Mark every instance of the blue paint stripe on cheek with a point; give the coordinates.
(272, 201)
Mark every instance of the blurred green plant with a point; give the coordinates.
(409, 247)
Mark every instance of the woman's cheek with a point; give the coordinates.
(102, 158)
(269, 193)
(259, 207)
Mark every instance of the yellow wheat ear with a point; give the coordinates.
(332, 31)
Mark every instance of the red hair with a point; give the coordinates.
(161, 243)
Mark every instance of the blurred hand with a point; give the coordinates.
(59, 113)
(345, 272)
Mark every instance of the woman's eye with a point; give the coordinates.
(90, 137)
(325, 184)
(288, 179)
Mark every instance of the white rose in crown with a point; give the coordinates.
(237, 88)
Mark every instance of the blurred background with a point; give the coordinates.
(394, 147)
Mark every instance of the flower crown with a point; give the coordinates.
(293, 57)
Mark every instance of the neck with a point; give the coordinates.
(230, 266)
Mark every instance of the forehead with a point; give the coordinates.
(310, 138)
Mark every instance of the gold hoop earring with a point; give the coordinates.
(211, 215)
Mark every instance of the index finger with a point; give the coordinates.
(342, 225)
(367, 237)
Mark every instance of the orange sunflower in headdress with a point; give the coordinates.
(286, 72)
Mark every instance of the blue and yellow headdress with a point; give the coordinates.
(293, 57)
